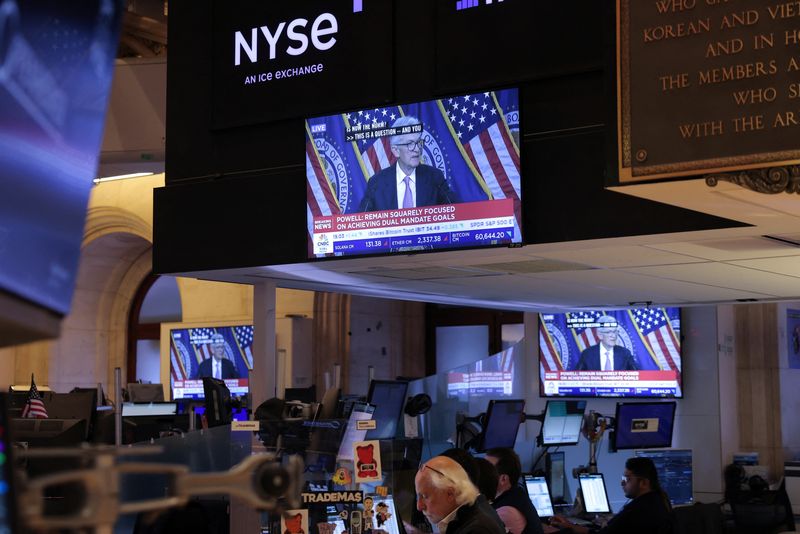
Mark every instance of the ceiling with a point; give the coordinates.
(753, 263)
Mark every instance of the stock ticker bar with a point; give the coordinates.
(612, 383)
(616, 392)
(444, 226)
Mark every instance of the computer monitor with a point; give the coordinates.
(360, 412)
(130, 409)
(145, 392)
(643, 425)
(674, 468)
(218, 402)
(555, 472)
(539, 495)
(595, 496)
(562, 422)
(7, 506)
(389, 399)
(501, 423)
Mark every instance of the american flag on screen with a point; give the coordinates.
(34, 408)
(321, 198)
(179, 360)
(550, 357)
(585, 337)
(478, 123)
(658, 337)
(244, 337)
(374, 154)
(202, 351)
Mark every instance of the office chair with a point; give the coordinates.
(760, 518)
(699, 518)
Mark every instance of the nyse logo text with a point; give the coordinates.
(295, 39)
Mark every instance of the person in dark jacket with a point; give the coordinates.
(451, 501)
(512, 502)
(648, 511)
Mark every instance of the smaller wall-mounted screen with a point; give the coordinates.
(223, 352)
(428, 175)
(643, 425)
(562, 422)
(501, 424)
(621, 353)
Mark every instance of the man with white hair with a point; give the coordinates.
(408, 183)
(451, 502)
(606, 355)
(218, 366)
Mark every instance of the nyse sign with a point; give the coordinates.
(291, 58)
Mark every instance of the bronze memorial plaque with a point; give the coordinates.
(707, 86)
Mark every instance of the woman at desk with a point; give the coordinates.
(648, 511)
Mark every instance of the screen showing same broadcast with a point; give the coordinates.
(428, 175)
(620, 353)
(223, 352)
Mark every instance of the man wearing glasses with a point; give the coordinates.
(408, 183)
(648, 511)
(451, 502)
(606, 355)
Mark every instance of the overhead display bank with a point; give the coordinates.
(279, 60)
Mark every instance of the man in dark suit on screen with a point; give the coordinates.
(606, 355)
(218, 366)
(408, 183)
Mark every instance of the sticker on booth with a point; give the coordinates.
(368, 461)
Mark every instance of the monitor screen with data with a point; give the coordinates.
(562, 422)
(595, 496)
(674, 468)
(539, 495)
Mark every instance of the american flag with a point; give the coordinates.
(244, 336)
(550, 355)
(202, 349)
(585, 337)
(655, 329)
(34, 408)
(478, 123)
(179, 356)
(374, 154)
(321, 200)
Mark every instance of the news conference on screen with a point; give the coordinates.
(192, 350)
(647, 340)
(469, 147)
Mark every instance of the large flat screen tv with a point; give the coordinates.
(428, 175)
(645, 360)
(192, 354)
